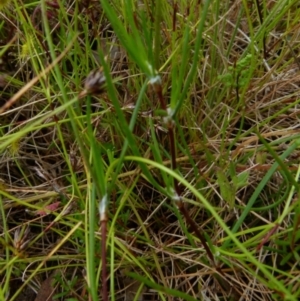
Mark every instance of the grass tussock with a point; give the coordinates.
(149, 150)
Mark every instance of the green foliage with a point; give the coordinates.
(113, 149)
(229, 188)
(65, 287)
(237, 76)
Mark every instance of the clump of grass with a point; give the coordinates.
(150, 151)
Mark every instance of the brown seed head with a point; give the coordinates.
(95, 82)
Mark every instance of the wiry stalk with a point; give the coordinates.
(171, 129)
(94, 84)
(169, 121)
(261, 20)
(103, 221)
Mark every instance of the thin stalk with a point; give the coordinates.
(103, 222)
(175, 8)
(157, 37)
(261, 20)
(170, 123)
(171, 128)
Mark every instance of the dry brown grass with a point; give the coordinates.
(45, 183)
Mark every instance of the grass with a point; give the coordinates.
(149, 150)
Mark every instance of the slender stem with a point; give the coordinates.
(260, 16)
(157, 36)
(104, 261)
(170, 124)
(171, 133)
(103, 221)
(174, 15)
(196, 230)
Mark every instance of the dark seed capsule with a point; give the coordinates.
(95, 82)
